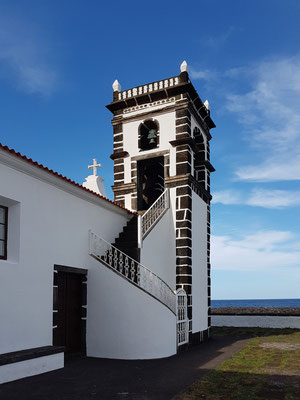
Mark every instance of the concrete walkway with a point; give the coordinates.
(92, 378)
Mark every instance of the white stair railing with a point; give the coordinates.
(153, 214)
(133, 271)
(182, 317)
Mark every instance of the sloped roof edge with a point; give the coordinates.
(36, 164)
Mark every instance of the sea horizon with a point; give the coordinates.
(271, 303)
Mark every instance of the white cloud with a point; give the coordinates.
(264, 250)
(267, 198)
(274, 198)
(217, 41)
(272, 169)
(24, 57)
(201, 74)
(270, 115)
(227, 197)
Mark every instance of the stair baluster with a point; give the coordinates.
(132, 270)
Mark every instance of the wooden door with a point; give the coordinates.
(69, 331)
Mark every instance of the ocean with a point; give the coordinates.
(256, 303)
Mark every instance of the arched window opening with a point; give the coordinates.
(148, 135)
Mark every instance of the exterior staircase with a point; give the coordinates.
(123, 256)
(127, 241)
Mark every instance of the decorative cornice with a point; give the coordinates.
(149, 113)
(208, 165)
(177, 180)
(154, 154)
(185, 140)
(196, 185)
(157, 95)
(163, 91)
(119, 154)
(124, 187)
(188, 179)
(123, 118)
(156, 104)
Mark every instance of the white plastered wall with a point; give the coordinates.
(159, 252)
(199, 263)
(128, 201)
(136, 325)
(22, 369)
(124, 322)
(53, 227)
(130, 140)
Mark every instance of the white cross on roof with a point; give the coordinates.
(95, 166)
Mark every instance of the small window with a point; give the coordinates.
(3, 232)
(148, 135)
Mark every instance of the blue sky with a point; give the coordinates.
(58, 60)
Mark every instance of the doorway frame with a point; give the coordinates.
(73, 270)
(146, 160)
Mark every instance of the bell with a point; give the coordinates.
(152, 136)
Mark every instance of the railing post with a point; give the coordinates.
(140, 232)
(168, 198)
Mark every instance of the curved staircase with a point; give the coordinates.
(123, 256)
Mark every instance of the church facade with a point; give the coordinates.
(127, 279)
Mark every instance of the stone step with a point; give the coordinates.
(128, 234)
(126, 238)
(127, 241)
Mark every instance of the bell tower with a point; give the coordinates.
(161, 140)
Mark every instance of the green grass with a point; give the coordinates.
(267, 368)
(249, 332)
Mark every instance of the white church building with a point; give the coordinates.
(124, 279)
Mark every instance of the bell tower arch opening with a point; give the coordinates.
(148, 135)
(150, 181)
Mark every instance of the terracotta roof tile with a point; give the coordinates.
(29, 160)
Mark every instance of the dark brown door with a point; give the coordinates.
(69, 332)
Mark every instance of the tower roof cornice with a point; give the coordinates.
(160, 90)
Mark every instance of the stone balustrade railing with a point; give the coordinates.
(150, 87)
